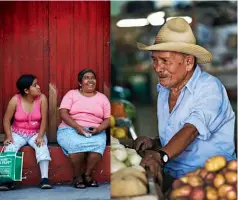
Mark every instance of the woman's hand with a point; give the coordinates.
(39, 141)
(81, 130)
(94, 130)
(8, 141)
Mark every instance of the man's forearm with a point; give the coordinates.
(180, 141)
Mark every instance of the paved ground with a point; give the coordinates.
(58, 193)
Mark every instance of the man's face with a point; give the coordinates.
(170, 67)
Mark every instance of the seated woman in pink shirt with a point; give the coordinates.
(85, 115)
(28, 109)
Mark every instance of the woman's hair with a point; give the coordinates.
(84, 71)
(24, 82)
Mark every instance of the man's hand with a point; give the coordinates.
(39, 141)
(152, 162)
(8, 141)
(152, 154)
(143, 143)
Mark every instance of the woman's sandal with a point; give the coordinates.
(89, 181)
(79, 184)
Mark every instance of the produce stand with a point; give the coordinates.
(123, 115)
(217, 179)
(151, 195)
(152, 191)
(126, 122)
(144, 197)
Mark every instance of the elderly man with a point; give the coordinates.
(195, 118)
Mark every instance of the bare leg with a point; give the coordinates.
(77, 160)
(92, 159)
(78, 163)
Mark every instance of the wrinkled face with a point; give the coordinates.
(89, 82)
(171, 67)
(34, 89)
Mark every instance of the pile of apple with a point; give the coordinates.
(217, 180)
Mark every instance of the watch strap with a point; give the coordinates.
(162, 154)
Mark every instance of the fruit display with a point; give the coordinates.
(217, 180)
(122, 157)
(128, 182)
(128, 178)
(118, 109)
(122, 118)
(123, 108)
(117, 132)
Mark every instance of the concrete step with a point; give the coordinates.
(60, 169)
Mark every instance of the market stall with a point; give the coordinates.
(216, 180)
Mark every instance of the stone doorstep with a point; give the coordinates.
(60, 169)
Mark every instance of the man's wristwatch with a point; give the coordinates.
(164, 157)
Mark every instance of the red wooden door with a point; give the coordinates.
(23, 46)
(54, 41)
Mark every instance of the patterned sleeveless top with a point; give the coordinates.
(27, 123)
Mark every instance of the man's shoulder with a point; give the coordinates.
(208, 81)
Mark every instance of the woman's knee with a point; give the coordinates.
(94, 156)
(77, 156)
(11, 148)
(42, 153)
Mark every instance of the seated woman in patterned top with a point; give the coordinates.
(85, 115)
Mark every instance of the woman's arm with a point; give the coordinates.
(11, 108)
(44, 111)
(64, 115)
(106, 117)
(104, 125)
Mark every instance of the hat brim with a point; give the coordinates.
(203, 56)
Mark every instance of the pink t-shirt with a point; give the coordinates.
(86, 111)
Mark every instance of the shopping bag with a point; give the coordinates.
(11, 164)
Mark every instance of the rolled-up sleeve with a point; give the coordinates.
(67, 100)
(205, 113)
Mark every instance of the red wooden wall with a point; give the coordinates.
(54, 41)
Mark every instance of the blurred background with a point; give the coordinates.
(133, 80)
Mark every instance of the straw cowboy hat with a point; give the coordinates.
(176, 35)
